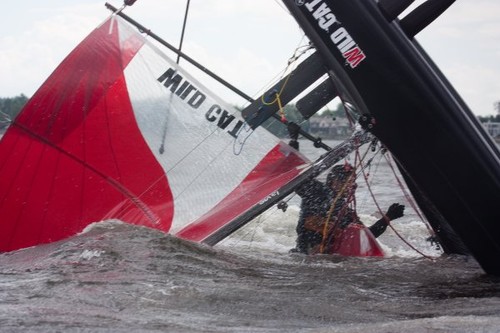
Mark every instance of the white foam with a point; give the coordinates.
(89, 254)
(275, 231)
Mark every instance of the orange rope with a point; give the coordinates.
(408, 197)
(329, 215)
(387, 219)
(332, 207)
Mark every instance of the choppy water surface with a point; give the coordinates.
(122, 278)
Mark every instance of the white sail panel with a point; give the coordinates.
(203, 158)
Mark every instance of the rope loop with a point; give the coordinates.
(383, 150)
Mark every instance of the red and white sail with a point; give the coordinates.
(119, 131)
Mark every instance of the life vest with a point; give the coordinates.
(354, 240)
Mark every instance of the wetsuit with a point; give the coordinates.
(316, 201)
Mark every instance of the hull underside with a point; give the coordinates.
(450, 163)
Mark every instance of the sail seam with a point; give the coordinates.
(113, 182)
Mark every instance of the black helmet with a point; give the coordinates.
(339, 172)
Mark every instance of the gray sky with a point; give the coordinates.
(247, 43)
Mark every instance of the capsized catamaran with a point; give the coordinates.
(121, 131)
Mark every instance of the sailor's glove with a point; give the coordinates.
(395, 211)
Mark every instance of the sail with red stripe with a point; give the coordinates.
(119, 131)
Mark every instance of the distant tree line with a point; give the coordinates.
(338, 112)
(490, 118)
(10, 108)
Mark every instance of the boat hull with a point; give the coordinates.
(450, 163)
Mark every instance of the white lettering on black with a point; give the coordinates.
(263, 201)
(341, 38)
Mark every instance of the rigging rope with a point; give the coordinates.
(407, 196)
(183, 31)
(359, 164)
(365, 176)
(277, 94)
(350, 199)
(277, 99)
(326, 233)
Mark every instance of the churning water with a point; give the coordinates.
(116, 277)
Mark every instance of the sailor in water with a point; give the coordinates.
(326, 211)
